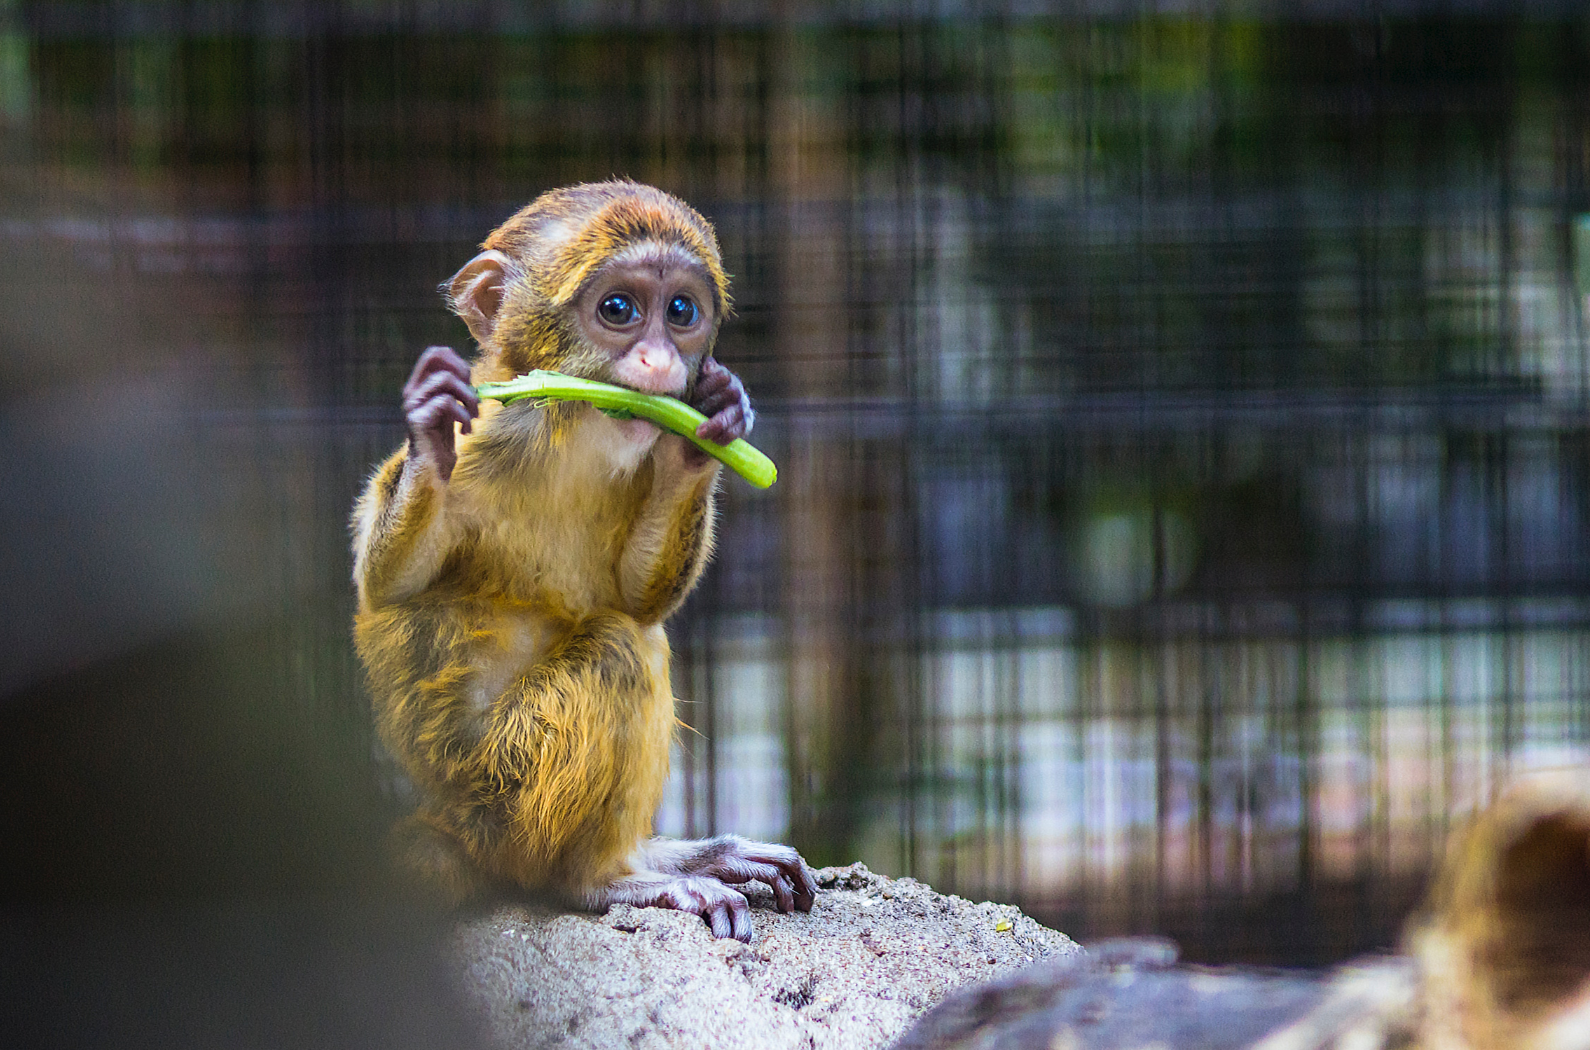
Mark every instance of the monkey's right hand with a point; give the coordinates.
(438, 395)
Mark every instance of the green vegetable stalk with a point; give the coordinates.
(667, 412)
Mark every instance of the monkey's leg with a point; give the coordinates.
(425, 847)
(550, 786)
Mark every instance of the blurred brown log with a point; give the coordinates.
(1498, 958)
(1503, 944)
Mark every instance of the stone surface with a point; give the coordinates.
(872, 956)
(1111, 1000)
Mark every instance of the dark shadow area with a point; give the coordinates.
(1544, 891)
(187, 865)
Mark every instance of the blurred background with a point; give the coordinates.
(1181, 418)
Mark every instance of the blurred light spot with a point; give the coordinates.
(16, 88)
(1119, 559)
(1581, 253)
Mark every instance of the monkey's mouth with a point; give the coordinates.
(634, 428)
(678, 395)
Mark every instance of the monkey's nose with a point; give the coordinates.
(657, 370)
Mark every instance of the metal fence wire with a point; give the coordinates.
(1181, 421)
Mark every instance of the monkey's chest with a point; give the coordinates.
(565, 564)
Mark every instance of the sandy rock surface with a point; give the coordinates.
(871, 957)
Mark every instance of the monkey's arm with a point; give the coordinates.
(400, 531)
(672, 537)
(400, 523)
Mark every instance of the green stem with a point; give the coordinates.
(667, 412)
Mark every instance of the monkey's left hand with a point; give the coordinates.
(720, 396)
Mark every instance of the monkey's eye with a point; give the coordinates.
(617, 309)
(682, 311)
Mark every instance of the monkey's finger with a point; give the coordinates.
(715, 401)
(783, 892)
(439, 383)
(715, 405)
(775, 880)
(725, 426)
(443, 357)
(424, 418)
(437, 416)
(805, 886)
(437, 411)
(716, 428)
(439, 357)
(424, 365)
(779, 874)
(716, 388)
(717, 916)
(459, 386)
(740, 913)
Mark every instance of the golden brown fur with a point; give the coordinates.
(511, 605)
(1504, 939)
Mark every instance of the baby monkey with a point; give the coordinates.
(515, 565)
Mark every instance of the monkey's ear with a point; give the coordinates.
(475, 292)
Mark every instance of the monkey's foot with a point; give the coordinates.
(724, 909)
(731, 859)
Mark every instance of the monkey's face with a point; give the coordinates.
(616, 282)
(646, 322)
(650, 319)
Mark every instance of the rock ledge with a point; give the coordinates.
(872, 956)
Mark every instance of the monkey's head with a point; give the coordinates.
(613, 281)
